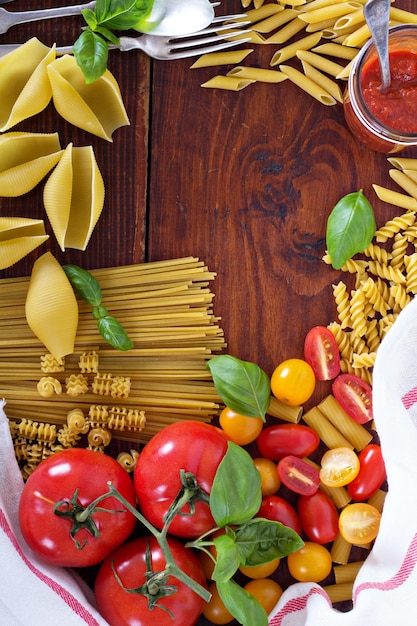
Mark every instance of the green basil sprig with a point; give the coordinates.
(88, 288)
(243, 386)
(350, 228)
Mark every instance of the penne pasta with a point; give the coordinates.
(377, 499)
(358, 37)
(226, 57)
(257, 14)
(323, 81)
(340, 551)
(275, 21)
(319, 4)
(258, 74)
(352, 19)
(321, 63)
(346, 573)
(404, 181)
(285, 412)
(396, 198)
(230, 83)
(341, 592)
(330, 436)
(344, 74)
(329, 12)
(336, 50)
(290, 51)
(355, 433)
(403, 163)
(308, 85)
(403, 17)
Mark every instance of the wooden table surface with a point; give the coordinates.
(245, 181)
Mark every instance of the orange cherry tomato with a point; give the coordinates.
(266, 591)
(270, 481)
(261, 571)
(311, 563)
(293, 382)
(239, 428)
(214, 610)
(339, 466)
(359, 523)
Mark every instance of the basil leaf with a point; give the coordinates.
(124, 14)
(91, 52)
(235, 495)
(260, 541)
(227, 559)
(243, 386)
(90, 17)
(350, 228)
(84, 284)
(114, 333)
(241, 604)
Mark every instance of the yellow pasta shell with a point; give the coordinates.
(18, 237)
(51, 307)
(24, 85)
(74, 197)
(26, 158)
(96, 107)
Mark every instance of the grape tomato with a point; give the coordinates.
(280, 440)
(354, 396)
(359, 523)
(322, 353)
(319, 517)
(277, 509)
(371, 475)
(298, 475)
(293, 382)
(339, 466)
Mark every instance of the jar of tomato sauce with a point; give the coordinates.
(385, 122)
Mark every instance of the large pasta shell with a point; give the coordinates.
(24, 85)
(26, 158)
(18, 237)
(51, 306)
(74, 197)
(96, 107)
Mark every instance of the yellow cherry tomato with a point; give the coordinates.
(293, 382)
(214, 610)
(339, 466)
(261, 571)
(359, 523)
(239, 428)
(311, 563)
(270, 481)
(266, 591)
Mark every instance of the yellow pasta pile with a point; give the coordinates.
(166, 308)
(385, 276)
(320, 38)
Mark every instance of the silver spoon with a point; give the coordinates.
(178, 17)
(377, 14)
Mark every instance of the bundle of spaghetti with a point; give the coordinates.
(167, 309)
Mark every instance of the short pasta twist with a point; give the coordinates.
(386, 272)
(342, 303)
(374, 296)
(98, 439)
(120, 387)
(399, 248)
(357, 305)
(88, 362)
(46, 433)
(98, 415)
(364, 360)
(50, 365)
(102, 384)
(68, 437)
(355, 266)
(76, 421)
(372, 337)
(76, 385)
(394, 226)
(121, 418)
(377, 253)
(128, 460)
(342, 340)
(400, 296)
(410, 263)
(48, 386)
(28, 429)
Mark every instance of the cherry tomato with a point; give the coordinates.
(293, 382)
(359, 523)
(75, 478)
(311, 563)
(339, 466)
(187, 445)
(239, 428)
(270, 482)
(277, 509)
(322, 353)
(319, 517)
(215, 610)
(261, 571)
(280, 440)
(371, 473)
(354, 396)
(266, 591)
(298, 475)
(126, 608)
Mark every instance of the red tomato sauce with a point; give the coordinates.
(398, 107)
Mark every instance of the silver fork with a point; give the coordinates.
(9, 19)
(211, 39)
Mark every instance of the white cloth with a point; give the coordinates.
(32, 592)
(385, 591)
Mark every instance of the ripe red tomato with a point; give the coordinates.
(277, 509)
(187, 445)
(125, 608)
(298, 475)
(280, 440)
(371, 474)
(319, 517)
(322, 353)
(354, 396)
(75, 478)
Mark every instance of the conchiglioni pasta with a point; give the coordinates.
(18, 237)
(74, 197)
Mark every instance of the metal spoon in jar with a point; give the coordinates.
(377, 14)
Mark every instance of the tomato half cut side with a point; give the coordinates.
(359, 523)
(322, 353)
(339, 466)
(298, 475)
(354, 396)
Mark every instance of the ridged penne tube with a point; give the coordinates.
(74, 197)
(257, 73)
(355, 433)
(339, 592)
(289, 51)
(329, 85)
(283, 411)
(357, 38)
(347, 573)
(321, 63)
(96, 107)
(329, 12)
(403, 163)
(25, 159)
(336, 50)
(275, 21)
(404, 181)
(402, 16)
(24, 84)
(51, 307)
(18, 237)
(396, 198)
(286, 32)
(227, 57)
(308, 85)
(230, 83)
(330, 435)
(340, 550)
(351, 19)
(255, 15)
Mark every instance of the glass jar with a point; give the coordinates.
(369, 130)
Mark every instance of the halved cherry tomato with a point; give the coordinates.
(359, 523)
(311, 563)
(322, 353)
(354, 396)
(239, 428)
(298, 475)
(293, 382)
(266, 591)
(277, 509)
(270, 482)
(371, 474)
(260, 571)
(280, 440)
(339, 466)
(319, 517)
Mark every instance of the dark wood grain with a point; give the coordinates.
(245, 181)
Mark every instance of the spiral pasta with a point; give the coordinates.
(48, 386)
